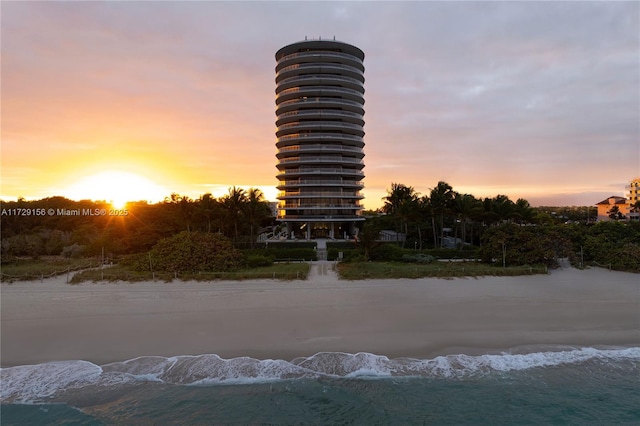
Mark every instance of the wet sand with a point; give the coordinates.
(106, 322)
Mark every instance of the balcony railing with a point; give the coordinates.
(318, 54)
(320, 101)
(335, 68)
(321, 89)
(303, 78)
(319, 112)
(322, 194)
(320, 182)
(324, 159)
(297, 206)
(340, 148)
(320, 124)
(345, 172)
(329, 136)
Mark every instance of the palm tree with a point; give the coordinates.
(185, 207)
(466, 207)
(523, 211)
(256, 210)
(401, 203)
(207, 207)
(234, 204)
(441, 198)
(503, 207)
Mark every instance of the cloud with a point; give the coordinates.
(469, 92)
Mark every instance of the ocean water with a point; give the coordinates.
(581, 386)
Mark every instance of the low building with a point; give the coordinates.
(606, 207)
(626, 208)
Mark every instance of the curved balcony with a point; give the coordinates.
(302, 126)
(319, 69)
(345, 116)
(324, 171)
(325, 218)
(320, 160)
(318, 194)
(302, 183)
(344, 206)
(333, 80)
(305, 92)
(320, 148)
(317, 103)
(320, 56)
(320, 125)
(305, 137)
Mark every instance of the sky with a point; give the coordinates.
(532, 100)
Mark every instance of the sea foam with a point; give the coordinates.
(38, 383)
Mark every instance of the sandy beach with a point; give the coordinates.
(106, 322)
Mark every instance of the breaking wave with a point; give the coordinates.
(39, 383)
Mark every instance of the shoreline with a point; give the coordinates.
(266, 319)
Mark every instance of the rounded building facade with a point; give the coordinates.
(320, 138)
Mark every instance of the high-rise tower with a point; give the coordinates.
(320, 109)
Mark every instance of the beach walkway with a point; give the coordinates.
(323, 271)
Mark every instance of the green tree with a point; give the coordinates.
(466, 207)
(401, 202)
(523, 211)
(208, 208)
(440, 201)
(234, 204)
(257, 209)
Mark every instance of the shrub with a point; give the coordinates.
(341, 245)
(282, 252)
(73, 251)
(387, 252)
(448, 253)
(256, 260)
(333, 253)
(192, 252)
(417, 258)
(524, 245)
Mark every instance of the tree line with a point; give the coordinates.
(41, 227)
(424, 218)
(496, 229)
(501, 230)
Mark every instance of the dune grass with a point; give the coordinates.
(279, 271)
(381, 270)
(31, 269)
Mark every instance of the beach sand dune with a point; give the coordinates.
(422, 318)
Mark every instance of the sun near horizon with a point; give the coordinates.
(116, 187)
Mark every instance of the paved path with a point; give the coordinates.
(322, 270)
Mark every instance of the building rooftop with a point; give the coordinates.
(617, 200)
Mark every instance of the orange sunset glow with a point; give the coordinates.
(134, 101)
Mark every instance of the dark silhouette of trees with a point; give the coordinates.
(401, 203)
(234, 205)
(256, 210)
(466, 207)
(47, 231)
(441, 201)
